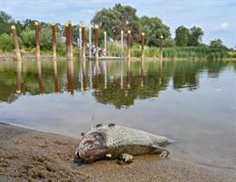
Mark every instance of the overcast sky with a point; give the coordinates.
(217, 18)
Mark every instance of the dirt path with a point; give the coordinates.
(28, 155)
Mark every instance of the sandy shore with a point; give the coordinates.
(28, 155)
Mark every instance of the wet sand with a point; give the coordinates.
(29, 155)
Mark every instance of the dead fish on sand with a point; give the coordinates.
(119, 142)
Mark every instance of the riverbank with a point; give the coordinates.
(31, 155)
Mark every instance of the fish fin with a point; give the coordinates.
(159, 150)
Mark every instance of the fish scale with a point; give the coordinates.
(114, 140)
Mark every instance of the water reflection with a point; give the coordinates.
(55, 76)
(40, 79)
(19, 77)
(70, 77)
(119, 83)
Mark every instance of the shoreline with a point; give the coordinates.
(27, 154)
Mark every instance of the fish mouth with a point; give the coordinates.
(92, 147)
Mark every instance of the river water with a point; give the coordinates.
(192, 102)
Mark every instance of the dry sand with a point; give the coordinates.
(29, 155)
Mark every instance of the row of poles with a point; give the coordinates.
(83, 41)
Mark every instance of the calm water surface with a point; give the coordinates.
(192, 102)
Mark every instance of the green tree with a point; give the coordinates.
(116, 19)
(154, 28)
(217, 44)
(195, 38)
(5, 22)
(182, 35)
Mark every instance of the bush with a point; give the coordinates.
(6, 43)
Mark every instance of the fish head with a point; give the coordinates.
(92, 146)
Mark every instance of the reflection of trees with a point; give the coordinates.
(116, 83)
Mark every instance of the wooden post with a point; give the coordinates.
(68, 33)
(128, 44)
(161, 49)
(37, 45)
(142, 45)
(16, 43)
(84, 41)
(96, 40)
(54, 44)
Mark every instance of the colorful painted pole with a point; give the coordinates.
(128, 44)
(54, 44)
(37, 44)
(96, 40)
(16, 43)
(142, 44)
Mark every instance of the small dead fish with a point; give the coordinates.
(119, 142)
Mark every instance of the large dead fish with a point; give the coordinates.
(113, 141)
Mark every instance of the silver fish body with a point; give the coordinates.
(115, 140)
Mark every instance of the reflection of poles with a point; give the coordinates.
(36, 27)
(19, 77)
(105, 74)
(142, 72)
(84, 41)
(96, 40)
(90, 75)
(105, 42)
(96, 81)
(90, 41)
(122, 42)
(160, 73)
(40, 82)
(16, 43)
(128, 75)
(84, 72)
(70, 77)
(54, 44)
(128, 44)
(161, 49)
(55, 76)
(122, 75)
(142, 44)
